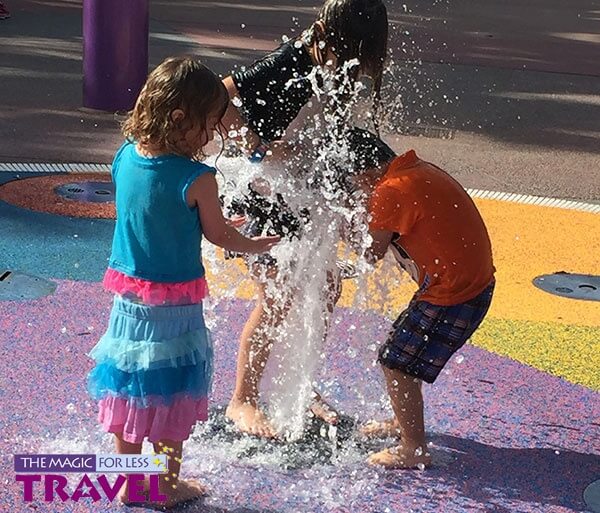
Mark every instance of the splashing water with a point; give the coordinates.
(310, 181)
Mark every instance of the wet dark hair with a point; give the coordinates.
(354, 29)
(368, 150)
(177, 83)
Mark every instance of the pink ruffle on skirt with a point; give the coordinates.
(154, 293)
(172, 422)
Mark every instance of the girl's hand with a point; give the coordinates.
(236, 221)
(264, 244)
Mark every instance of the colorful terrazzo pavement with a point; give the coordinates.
(506, 437)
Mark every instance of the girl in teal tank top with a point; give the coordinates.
(153, 366)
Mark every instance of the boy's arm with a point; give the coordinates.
(380, 244)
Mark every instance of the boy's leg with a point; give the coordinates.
(177, 491)
(123, 447)
(407, 403)
(255, 347)
(424, 338)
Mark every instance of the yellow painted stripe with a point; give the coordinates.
(530, 240)
(570, 352)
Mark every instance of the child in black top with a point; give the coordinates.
(270, 95)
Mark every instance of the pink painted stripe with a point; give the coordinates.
(172, 422)
(155, 293)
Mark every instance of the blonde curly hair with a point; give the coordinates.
(177, 83)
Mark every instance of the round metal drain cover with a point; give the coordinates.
(90, 192)
(15, 286)
(591, 496)
(576, 286)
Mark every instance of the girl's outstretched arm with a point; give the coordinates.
(204, 193)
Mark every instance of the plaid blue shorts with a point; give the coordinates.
(425, 336)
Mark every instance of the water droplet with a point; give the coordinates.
(63, 330)
(460, 358)
(243, 25)
(419, 451)
(71, 408)
(421, 466)
(237, 102)
(332, 433)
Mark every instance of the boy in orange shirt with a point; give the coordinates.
(437, 235)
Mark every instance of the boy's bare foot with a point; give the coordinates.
(250, 419)
(402, 457)
(381, 429)
(324, 411)
(186, 491)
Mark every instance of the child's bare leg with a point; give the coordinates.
(176, 490)
(123, 447)
(319, 407)
(255, 347)
(389, 428)
(407, 403)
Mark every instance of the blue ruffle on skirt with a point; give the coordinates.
(152, 354)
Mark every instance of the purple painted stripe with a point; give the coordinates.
(506, 437)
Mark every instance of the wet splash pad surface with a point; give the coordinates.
(505, 437)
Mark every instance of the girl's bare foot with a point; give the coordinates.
(324, 411)
(123, 494)
(185, 491)
(248, 418)
(402, 457)
(381, 429)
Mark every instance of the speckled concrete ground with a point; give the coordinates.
(506, 437)
(515, 425)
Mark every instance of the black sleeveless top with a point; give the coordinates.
(275, 88)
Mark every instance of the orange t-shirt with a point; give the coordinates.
(440, 238)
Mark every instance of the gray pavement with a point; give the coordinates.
(513, 86)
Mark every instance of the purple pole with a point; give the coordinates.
(115, 52)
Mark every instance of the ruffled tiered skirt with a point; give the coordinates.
(153, 371)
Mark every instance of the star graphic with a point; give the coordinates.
(86, 490)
